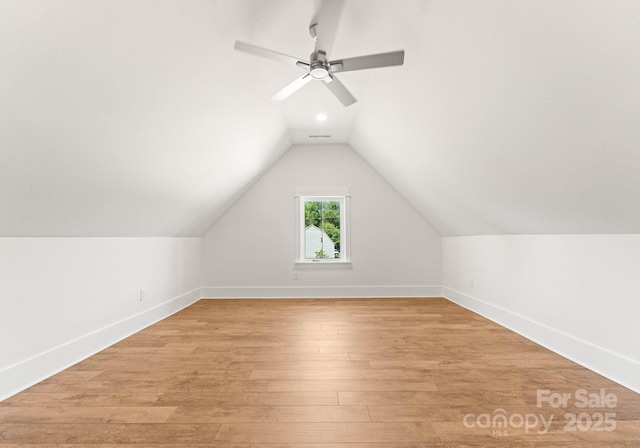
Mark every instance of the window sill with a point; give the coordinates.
(321, 265)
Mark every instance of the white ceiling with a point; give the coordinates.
(137, 118)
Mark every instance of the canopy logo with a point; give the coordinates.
(500, 422)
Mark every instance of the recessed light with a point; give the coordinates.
(321, 117)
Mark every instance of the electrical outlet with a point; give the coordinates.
(143, 295)
(471, 283)
(295, 276)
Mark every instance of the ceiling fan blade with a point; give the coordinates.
(370, 61)
(326, 21)
(269, 54)
(291, 88)
(339, 90)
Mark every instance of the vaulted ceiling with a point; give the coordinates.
(137, 118)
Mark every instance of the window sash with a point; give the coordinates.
(302, 223)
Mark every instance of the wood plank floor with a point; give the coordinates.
(397, 373)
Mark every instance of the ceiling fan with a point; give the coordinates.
(319, 68)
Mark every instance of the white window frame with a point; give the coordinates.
(340, 194)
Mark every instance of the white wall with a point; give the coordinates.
(63, 299)
(250, 251)
(578, 295)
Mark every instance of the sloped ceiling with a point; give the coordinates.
(512, 117)
(137, 118)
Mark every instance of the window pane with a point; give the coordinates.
(322, 229)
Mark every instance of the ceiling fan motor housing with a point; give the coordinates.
(318, 67)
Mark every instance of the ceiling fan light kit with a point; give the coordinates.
(319, 68)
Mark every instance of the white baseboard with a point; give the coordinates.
(611, 365)
(19, 376)
(308, 292)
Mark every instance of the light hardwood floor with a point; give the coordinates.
(397, 373)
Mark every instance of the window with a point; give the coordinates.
(322, 218)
